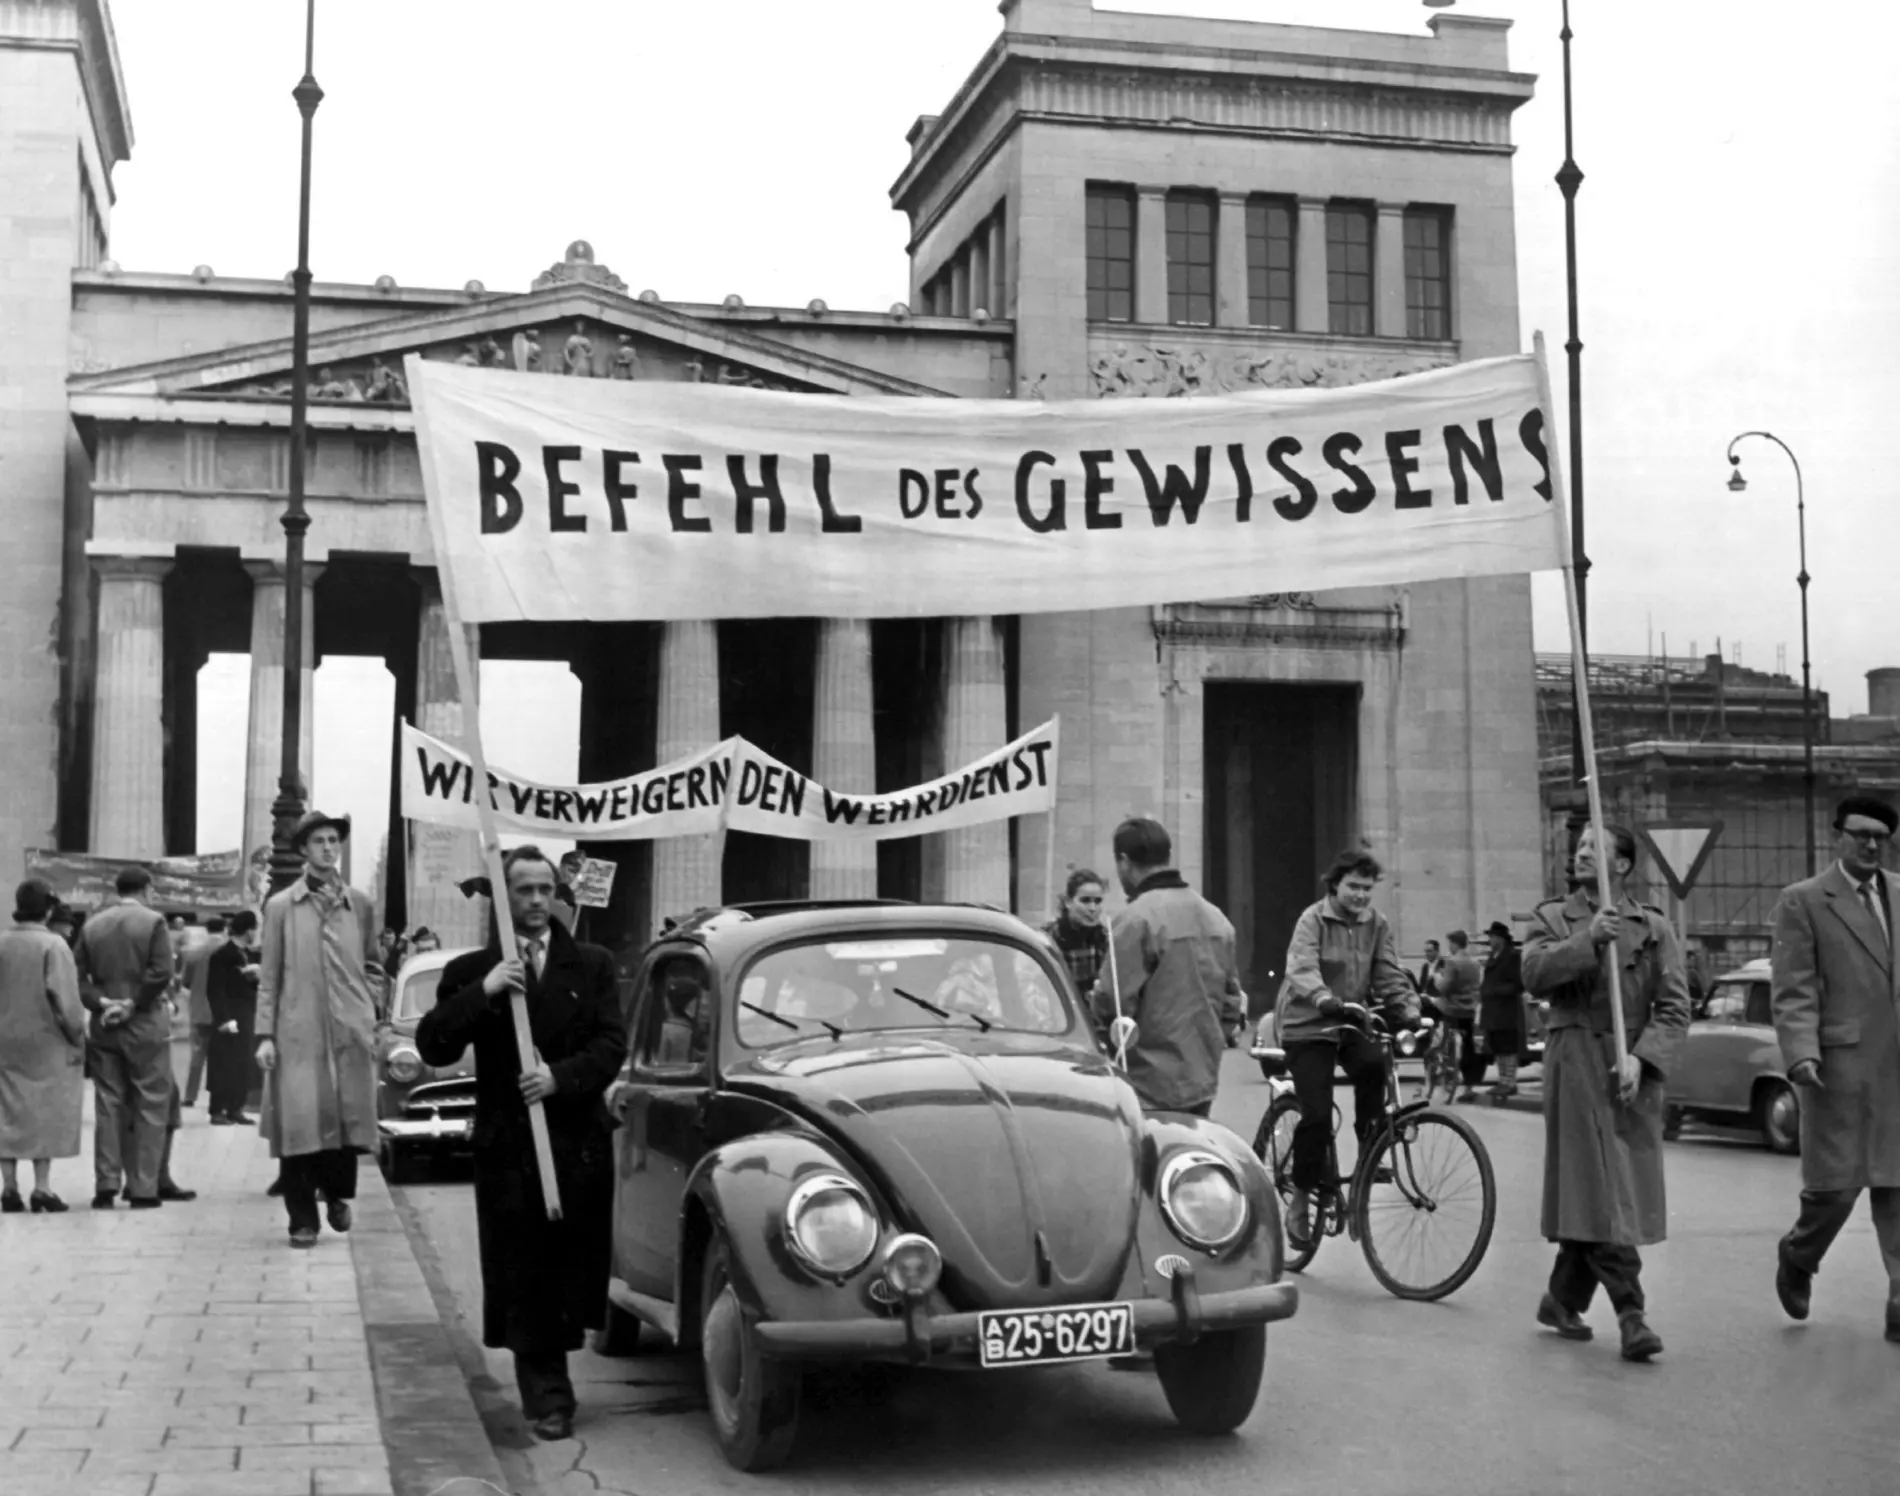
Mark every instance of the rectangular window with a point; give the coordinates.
(1428, 273)
(1349, 269)
(1270, 227)
(1111, 254)
(1190, 224)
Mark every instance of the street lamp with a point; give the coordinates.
(1738, 484)
(288, 807)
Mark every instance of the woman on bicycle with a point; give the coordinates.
(1341, 961)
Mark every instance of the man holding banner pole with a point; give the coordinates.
(1603, 1106)
(1172, 970)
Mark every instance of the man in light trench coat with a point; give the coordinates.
(1837, 1014)
(316, 1026)
(1603, 1123)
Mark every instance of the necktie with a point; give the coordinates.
(1874, 908)
(531, 957)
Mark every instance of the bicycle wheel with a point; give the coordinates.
(1273, 1146)
(1426, 1232)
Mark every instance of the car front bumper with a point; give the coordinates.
(426, 1131)
(916, 1335)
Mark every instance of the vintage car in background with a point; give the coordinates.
(1730, 1071)
(884, 1132)
(422, 1112)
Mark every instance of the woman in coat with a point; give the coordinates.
(1501, 1007)
(42, 1050)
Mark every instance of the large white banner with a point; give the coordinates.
(733, 784)
(604, 499)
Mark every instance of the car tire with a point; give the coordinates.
(619, 1332)
(1778, 1115)
(1212, 1384)
(1672, 1123)
(753, 1400)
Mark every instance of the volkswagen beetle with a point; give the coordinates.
(885, 1133)
(421, 1112)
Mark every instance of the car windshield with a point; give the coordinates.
(418, 993)
(907, 982)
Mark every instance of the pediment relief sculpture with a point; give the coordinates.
(1156, 370)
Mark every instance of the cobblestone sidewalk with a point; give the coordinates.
(191, 1351)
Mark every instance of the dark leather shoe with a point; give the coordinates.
(173, 1192)
(552, 1426)
(218, 1119)
(304, 1238)
(1794, 1286)
(276, 1189)
(337, 1213)
(45, 1202)
(1639, 1341)
(1566, 1322)
(1893, 1323)
(11, 1203)
(105, 1200)
(144, 1202)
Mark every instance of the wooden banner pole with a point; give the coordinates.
(465, 683)
(1579, 666)
(1049, 826)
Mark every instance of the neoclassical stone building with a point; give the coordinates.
(1112, 205)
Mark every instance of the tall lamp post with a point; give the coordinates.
(1569, 179)
(1737, 484)
(285, 810)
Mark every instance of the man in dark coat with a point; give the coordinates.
(231, 991)
(1603, 1123)
(1837, 1014)
(544, 1283)
(1501, 1007)
(125, 970)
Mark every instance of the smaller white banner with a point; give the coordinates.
(683, 798)
(689, 796)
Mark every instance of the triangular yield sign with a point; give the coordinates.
(1680, 849)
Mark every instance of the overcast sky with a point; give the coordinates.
(1737, 227)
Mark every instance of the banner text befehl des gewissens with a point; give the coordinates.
(574, 490)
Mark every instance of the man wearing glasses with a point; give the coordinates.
(1837, 1015)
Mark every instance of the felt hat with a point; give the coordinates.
(315, 820)
(1500, 929)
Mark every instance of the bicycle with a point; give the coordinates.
(1421, 1192)
(1442, 1050)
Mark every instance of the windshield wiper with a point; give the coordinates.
(943, 1013)
(784, 1022)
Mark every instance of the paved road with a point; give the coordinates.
(1363, 1392)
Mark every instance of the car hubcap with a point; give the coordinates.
(1781, 1116)
(721, 1339)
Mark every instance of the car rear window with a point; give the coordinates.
(866, 984)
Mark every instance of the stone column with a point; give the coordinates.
(441, 856)
(1230, 261)
(844, 753)
(264, 758)
(1388, 272)
(975, 722)
(1310, 312)
(686, 870)
(1151, 255)
(128, 732)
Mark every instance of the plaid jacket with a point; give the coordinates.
(1085, 949)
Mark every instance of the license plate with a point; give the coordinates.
(1080, 1332)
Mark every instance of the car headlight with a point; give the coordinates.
(402, 1065)
(1408, 1043)
(912, 1264)
(1202, 1200)
(830, 1225)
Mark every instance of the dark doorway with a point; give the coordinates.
(1282, 766)
(768, 675)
